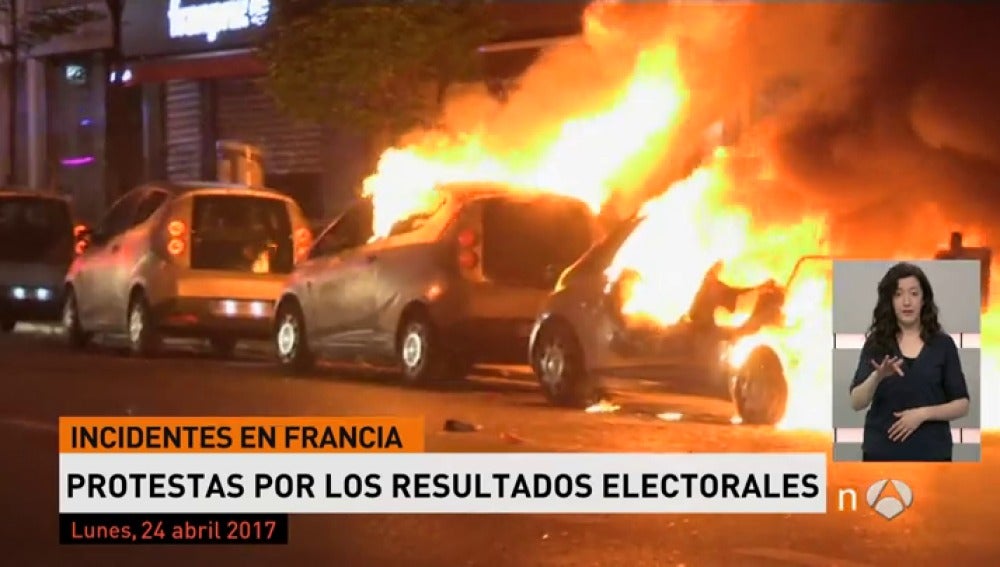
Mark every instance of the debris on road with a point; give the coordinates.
(511, 438)
(457, 426)
(603, 406)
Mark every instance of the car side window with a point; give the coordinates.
(351, 230)
(150, 204)
(119, 217)
(418, 218)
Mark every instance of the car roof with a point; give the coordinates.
(466, 190)
(24, 192)
(216, 188)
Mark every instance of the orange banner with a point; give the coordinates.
(241, 434)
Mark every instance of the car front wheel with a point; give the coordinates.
(760, 391)
(143, 338)
(76, 336)
(290, 340)
(558, 363)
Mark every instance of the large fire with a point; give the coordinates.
(600, 153)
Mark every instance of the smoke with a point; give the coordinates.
(896, 131)
(888, 121)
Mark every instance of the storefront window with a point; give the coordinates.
(76, 132)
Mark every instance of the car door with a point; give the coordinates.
(103, 270)
(126, 253)
(341, 283)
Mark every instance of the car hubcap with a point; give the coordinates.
(552, 364)
(69, 316)
(135, 325)
(413, 348)
(287, 336)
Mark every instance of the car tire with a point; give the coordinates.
(7, 325)
(290, 340)
(558, 364)
(223, 347)
(143, 338)
(760, 390)
(422, 356)
(76, 336)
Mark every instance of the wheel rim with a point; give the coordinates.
(552, 364)
(69, 314)
(288, 336)
(413, 347)
(136, 325)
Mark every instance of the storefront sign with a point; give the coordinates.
(188, 19)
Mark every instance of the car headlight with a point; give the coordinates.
(43, 294)
(18, 293)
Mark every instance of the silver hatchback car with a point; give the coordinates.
(200, 260)
(455, 285)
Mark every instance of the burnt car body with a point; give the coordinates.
(455, 285)
(37, 246)
(581, 337)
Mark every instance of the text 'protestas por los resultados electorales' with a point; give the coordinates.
(443, 485)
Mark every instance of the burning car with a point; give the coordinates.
(582, 335)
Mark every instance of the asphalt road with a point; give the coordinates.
(950, 522)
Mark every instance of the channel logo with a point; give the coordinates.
(886, 504)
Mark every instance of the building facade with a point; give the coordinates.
(58, 122)
(196, 79)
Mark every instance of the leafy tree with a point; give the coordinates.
(37, 26)
(375, 67)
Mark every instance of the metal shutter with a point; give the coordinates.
(184, 130)
(245, 113)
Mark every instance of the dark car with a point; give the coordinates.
(37, 244)
(451, 286)
(581, 337)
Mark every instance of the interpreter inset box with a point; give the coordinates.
(956, 283)
(943, 372)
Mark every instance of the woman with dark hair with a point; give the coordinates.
(909, 374)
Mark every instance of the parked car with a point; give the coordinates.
(37, 245)
(201, 260)
(581, 337)
(454, 285)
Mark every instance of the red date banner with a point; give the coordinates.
(192, 529)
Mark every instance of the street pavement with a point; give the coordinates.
(952, 520)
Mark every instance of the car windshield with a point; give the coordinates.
(35, 229)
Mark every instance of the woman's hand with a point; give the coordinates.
(908, 422)
(888, 367)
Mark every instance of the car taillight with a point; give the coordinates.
(303, 240)
(177, 233)
(467, 256)
(468, 259)
(467, 238)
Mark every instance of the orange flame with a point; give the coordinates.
(609, 145)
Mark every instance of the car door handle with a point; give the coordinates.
(371, 258)
(115, 248)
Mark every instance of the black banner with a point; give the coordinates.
(180, 529)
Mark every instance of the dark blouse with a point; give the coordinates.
(933, 378)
